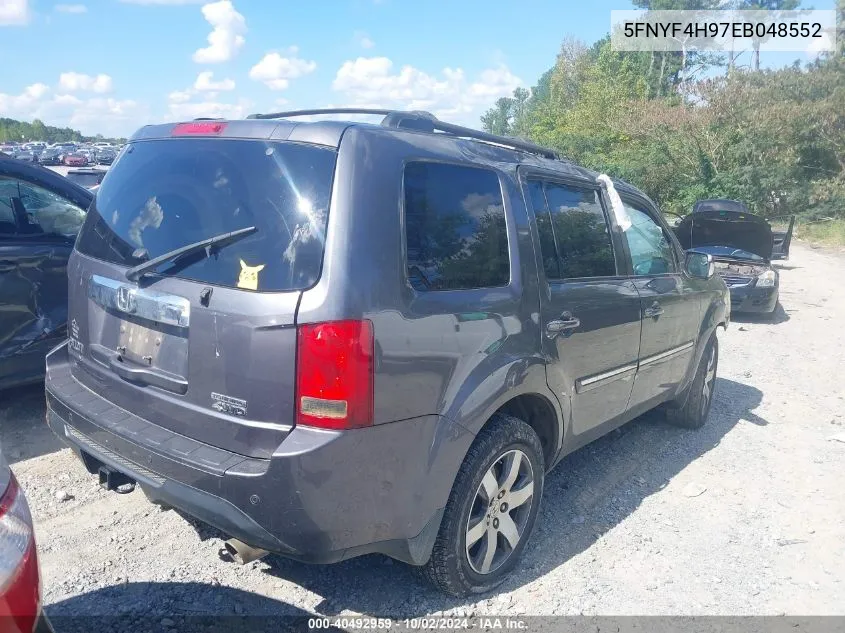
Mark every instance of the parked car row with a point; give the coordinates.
(515, 308)
(69, 154)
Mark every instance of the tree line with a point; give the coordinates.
(12, 130)
(694, 126)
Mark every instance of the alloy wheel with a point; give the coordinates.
(709, 380)
(500, 511)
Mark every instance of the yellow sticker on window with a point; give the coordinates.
(248, 279)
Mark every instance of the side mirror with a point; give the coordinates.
(699, 265)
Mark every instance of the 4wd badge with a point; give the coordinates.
(229, 405)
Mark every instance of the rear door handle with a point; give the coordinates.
(565, 323)
(655, 310)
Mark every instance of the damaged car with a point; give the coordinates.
(40, 214)
(741, 245)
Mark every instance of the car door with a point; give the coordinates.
(782, 240)
(590, 314)
(669, 302)
(39, 218)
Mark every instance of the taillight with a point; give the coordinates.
(334, 374)
(20, 594)
(205, 128)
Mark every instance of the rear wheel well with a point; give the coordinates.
(536, 411)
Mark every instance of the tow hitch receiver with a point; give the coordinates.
(111, 479)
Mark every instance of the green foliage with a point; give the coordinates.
(773, 139)
(20, 131)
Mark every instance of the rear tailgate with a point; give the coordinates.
(205, 346)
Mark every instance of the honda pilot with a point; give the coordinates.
(330, 338)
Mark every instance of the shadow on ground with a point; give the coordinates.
(589, 493)
(23, 430)
(586, 495)
(778, 316)
(175, 606)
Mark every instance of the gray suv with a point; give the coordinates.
(329, 338)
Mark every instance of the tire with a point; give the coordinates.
(693, 414)
(460, 571)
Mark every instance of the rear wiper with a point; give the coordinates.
(218, 240)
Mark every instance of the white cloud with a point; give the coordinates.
(25, 102)
(77, 82)
(179, 96)
(214, 109)
(162, 2)
(205, 82)
(277, 71)
(14, 12)
(105, 115)
(182, 106)
(371, 81)
(71, 8)
(36, 91)
(819, 45)
(227, 34)
(363, 40)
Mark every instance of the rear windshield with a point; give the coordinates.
(163, 194)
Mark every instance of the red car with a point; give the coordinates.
(75, 160)
(20, 579)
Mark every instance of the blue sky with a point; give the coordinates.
(110, 66)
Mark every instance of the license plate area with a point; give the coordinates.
(140, 344)
(137, 328)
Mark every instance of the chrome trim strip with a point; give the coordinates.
(667, 353)
(144, 303)
(583, 384)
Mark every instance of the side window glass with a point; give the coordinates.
(48, 213)
(455, 227)
(651, 251)
(581, 232)
(548, 251)
(8, 188)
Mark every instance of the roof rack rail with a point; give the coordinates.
(421, 121)
(290, 113)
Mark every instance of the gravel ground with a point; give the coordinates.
(742, 517)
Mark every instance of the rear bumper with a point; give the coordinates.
(752, 299)
(322, 497)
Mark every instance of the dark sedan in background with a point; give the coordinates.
(27, 157)
(40, 215)
(106, 156)
(51, 156)
(741, 244)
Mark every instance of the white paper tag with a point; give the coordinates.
(619, 212)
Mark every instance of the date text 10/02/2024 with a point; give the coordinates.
(482, 623)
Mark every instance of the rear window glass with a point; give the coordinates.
(163, 194)
(455, 227)
(84, 180)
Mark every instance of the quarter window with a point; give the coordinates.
(574, 236)
(651, 251)
(455, 228)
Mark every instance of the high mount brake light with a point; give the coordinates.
(204, 128)
(335, 374)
